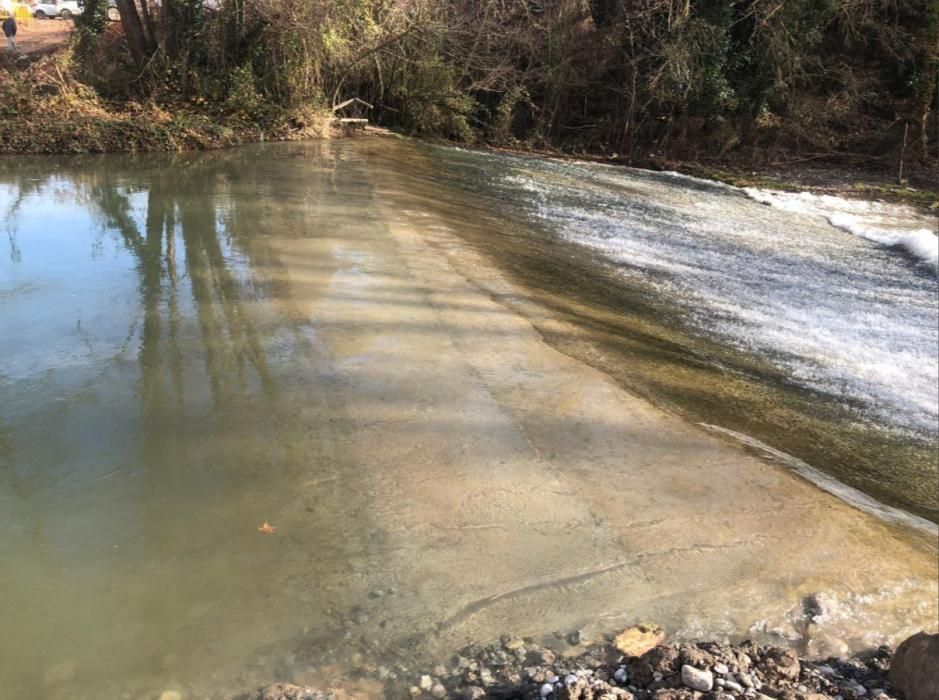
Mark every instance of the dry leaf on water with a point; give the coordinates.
(267, 528)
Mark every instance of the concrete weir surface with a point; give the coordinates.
(343, 363)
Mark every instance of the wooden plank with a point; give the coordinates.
(348, 102)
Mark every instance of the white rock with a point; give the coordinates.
(721, 669)
(696, 679)
(546, 690)
(426, 683)
(620, 675)
(733, 687)
(438, 691)
(570, 680)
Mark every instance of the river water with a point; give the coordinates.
(474, 393)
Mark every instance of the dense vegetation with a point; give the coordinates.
(758, 80)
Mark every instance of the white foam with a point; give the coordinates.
(837, 315)
(891, 225)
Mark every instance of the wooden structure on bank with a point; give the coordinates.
(352, 122)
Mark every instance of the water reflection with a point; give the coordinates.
(143, 431)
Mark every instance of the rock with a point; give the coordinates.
(858, 689)
(692, 655)
(696, 679)
(915, 667)
(513, 644)
(781, 663)
(721, 669)
(620, 675)
(663, 660)
(438, 691)
(546, 690)
(289, 691)
(639, 639)
(733, 687)
(414, 691)
(426, 682)
(473, 692)
(485, 677)
(171, 695)
(574, 638)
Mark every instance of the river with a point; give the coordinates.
(474, 393)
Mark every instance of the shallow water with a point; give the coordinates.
(334, 337)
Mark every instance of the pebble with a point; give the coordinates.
(474, 692)
(733, 687)
(171, 695)
(721, 669)
(438, 691)
(546, 690)
(696, 679)
(620, 675)
(426, 682)
(571, 679)
(574, 638)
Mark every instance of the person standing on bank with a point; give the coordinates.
(9, 31)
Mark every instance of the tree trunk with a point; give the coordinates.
(140, 48)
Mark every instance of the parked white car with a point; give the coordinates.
(66, 9)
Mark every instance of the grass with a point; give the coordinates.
(44, 109)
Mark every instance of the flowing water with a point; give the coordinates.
(424, 367)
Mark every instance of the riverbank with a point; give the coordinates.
(45, 109)
(40, 88)
(634, 665)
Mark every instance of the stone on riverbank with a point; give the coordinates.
(686, 671)
(696, 679)
(637, 640)
(915, 667)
